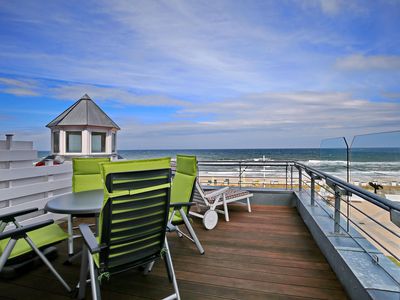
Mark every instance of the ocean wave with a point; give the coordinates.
(352, 163)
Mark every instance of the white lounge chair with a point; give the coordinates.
(208, 202)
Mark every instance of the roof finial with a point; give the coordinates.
(85, 97)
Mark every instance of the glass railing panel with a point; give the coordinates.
(375, 163)
(334, 157)
(375, 166)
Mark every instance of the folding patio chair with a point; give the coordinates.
(86, 177)
(19, 245)
(207, 203)
(182, 191)
(132, 223)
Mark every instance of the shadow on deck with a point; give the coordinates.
(268, 254)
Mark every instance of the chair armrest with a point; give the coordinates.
(90, 239)
(9, 217)
(217, 192)
(178, 205)
(21, 231)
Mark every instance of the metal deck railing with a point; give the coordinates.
(381, 227)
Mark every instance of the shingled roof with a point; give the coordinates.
(83, 112)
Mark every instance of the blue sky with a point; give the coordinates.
(203, 74)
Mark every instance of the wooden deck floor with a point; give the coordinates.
(268, 254)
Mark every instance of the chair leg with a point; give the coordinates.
(6, 253)
(248, 205)
(171, 272)
(48, 264)
(225, 208)
(170, 277)
(191, 231)
(148, 267)
(94, 279)
(70, 236)
(84, 273)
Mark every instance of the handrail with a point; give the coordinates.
(244, 163)
(383, 203)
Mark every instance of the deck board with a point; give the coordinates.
(266, 254)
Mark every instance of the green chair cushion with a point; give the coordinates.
(186, 164)
(182, 186)
(48, 235)
(135, 165)
(83, 166)
(183, 182)
(86, 174)
(82, 183)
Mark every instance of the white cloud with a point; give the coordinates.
(70, 91)
(266, 120)
(334, 7)
(111, 93)
(373, 62)
(18, 87)
(330, 6)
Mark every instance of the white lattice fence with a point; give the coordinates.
(23, 185)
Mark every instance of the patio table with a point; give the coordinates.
(82, 204)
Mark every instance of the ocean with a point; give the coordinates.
(366, 164)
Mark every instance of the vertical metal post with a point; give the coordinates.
(348, 213)
(348, 160)
(240, 174)
(286, 183)
(348, 181)
(300, 179)
(291, 177)
(312, 190)
(70, 236)
(337, 211)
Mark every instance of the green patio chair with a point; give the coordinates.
(23, 246)
(182, 191)
(132, 223)
(86, 177)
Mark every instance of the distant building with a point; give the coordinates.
(83, 130)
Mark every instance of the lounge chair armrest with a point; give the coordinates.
(217, 192)
(21, 231)
(90, 239)
(178, 205)
(9, 217)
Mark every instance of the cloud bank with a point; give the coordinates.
(204, 74)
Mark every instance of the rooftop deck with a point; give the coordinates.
(268, 254)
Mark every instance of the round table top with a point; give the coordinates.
(82, 203)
